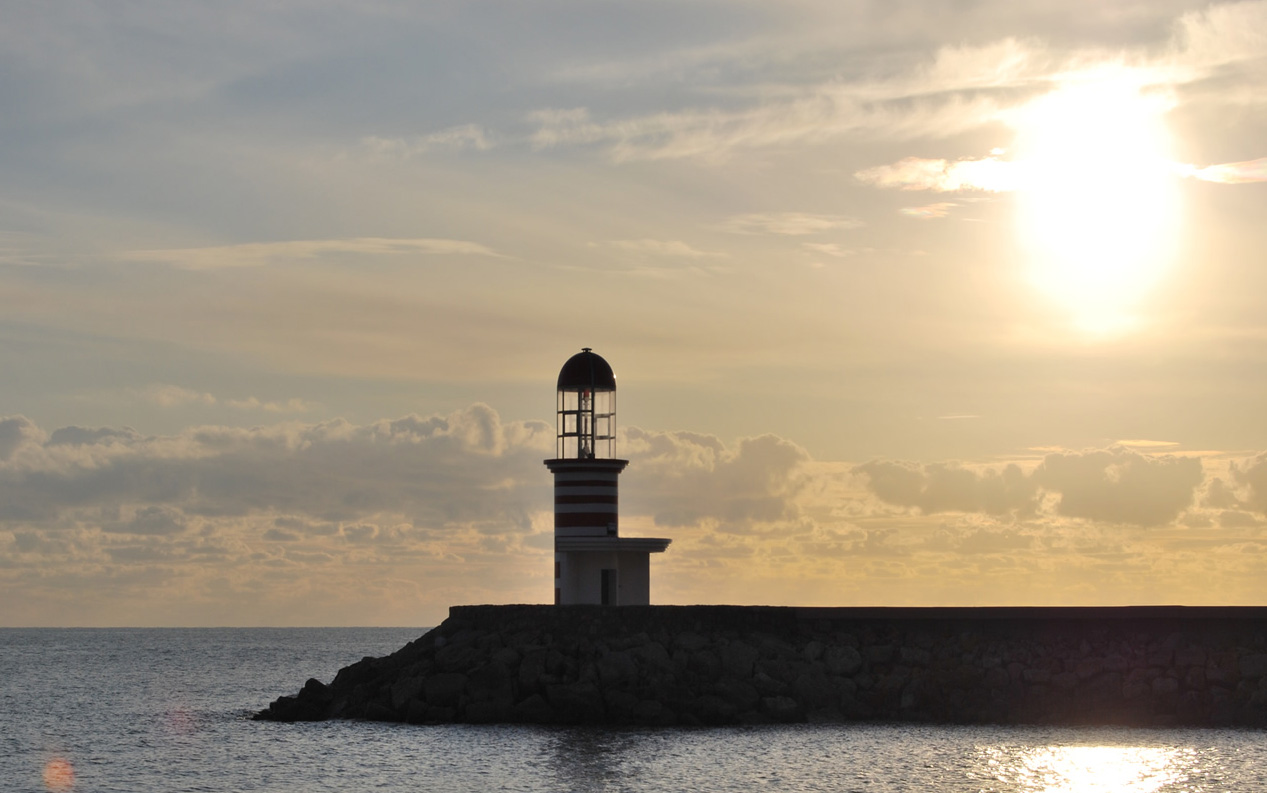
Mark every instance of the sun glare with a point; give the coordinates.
(59, 774)
(1088, 769)
(1098, 206)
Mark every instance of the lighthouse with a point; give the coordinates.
(592, 562)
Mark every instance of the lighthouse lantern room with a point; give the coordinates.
(592, 562)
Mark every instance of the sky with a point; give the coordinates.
(935, 303)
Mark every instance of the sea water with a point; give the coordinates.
(139, 710)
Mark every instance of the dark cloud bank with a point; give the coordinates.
(468, 468)
(472, 469)
(1115, 485)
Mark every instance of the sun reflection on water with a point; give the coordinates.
(1088, 769)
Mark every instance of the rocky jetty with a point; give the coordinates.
(693, 665)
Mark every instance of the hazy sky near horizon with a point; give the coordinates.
(909, 303)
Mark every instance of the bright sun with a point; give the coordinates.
(1098, 206)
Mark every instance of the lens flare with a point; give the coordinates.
(59, 774)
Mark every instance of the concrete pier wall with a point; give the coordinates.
(688, 665)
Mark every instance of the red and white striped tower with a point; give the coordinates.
(592, 563)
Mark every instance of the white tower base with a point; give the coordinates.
(605, 571)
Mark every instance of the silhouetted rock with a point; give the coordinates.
(664, 665)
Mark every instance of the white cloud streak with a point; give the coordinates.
(170, 396)
(261, 254)
(960, 88)
(460, 138)
(819, 116)
(989, 174)
(674, 249)
(993, 175)
(791, 224)
(829, 249)
(175, 396)
(929, 211)
(292, 405)
(1246, 172)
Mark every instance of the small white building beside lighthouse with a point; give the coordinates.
(592, 562)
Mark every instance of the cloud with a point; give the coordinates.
(260, 254)
(684, 478)
(793, 224)
(459, 138)
(1219, 495)
(175, 396)
(989, 174)
(150, 520)
(86, 436)
(948, 92)
(452, 500)
(17, 432)
(1120, 485)
(929, 211)
(1221, 34)
(437, 469)
(1251, 476)
(288, 521)
(942, 487)
(292, 405)
(829, 249)
(1236, 519)
(557, 127)
(166, 395)
(913, 107)
(1228, 173)
(1114, 486)
(993, 175)
(467, 468)
(667, 248)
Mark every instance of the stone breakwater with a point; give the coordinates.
(693, 665)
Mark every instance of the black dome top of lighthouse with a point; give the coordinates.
(587, 369)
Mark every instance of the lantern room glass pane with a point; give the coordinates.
(586, 426)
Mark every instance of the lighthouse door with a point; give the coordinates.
(610, 584)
